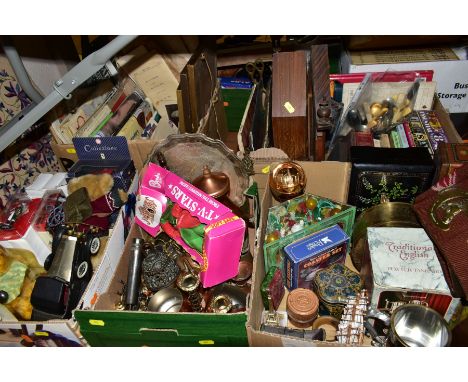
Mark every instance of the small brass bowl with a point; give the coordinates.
(166, 300)
(287, 180)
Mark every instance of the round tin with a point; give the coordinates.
(302, 307)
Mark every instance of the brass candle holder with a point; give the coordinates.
(189, 282)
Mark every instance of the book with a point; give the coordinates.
(135, 125)
(409, 136)
(434, 129)
(384, 140)
(359, 138)
(120, 115)
(418, 132)
(402, 136)
(66, 127)
(119, 94)
(395, 139)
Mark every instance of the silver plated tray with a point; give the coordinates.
(186, 154)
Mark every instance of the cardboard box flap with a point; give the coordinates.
(103, 148)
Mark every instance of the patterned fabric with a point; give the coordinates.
(13, 99)
(21, 169)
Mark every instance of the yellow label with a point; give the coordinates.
(206, 342)
(71, 151)
(266, 169)
(41, 334)
(290, 108)
(96, 322)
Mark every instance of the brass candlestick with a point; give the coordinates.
(189, 282)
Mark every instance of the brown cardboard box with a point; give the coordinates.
(328, 179)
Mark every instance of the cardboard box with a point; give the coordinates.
(400, 266)
(105, 326)
(106, 154)
(140, 149)
(449, 65)
(305, 257)
(66, 332)
(330, 180)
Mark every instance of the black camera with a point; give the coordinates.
(69, 271)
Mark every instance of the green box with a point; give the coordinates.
(125, 328)
(342, 215)
(105, 326)
(235, 102)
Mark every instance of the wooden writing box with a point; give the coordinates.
(289, 104)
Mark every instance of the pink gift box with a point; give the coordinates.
(224, 231)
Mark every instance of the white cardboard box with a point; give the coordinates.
(66, 332)
(450, 68)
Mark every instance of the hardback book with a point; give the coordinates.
(104, 113)
(402, 136)
(136, 124)
(121, 115)
(432, 125)
(418, 133)
(409, 136)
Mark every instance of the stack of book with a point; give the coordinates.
(421, 129)
(121, 111)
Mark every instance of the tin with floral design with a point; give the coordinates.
(332, 285)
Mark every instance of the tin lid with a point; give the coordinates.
(336, 282)
(215, 184)
(302, 305)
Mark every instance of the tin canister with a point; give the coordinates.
(302, 307)
(332, 285)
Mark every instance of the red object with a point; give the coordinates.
(22, 223)
(176, 211)
(186, 220)
(396, 76)
(170, 230)
(359, 138)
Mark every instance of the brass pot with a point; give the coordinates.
(385, 214)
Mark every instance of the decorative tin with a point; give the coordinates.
(272, 285)
(299, 217)
(400, 266)
(333, 285)
(302, 307)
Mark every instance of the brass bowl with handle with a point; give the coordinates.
(385, 214)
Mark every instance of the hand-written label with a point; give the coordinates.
(290, 108)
